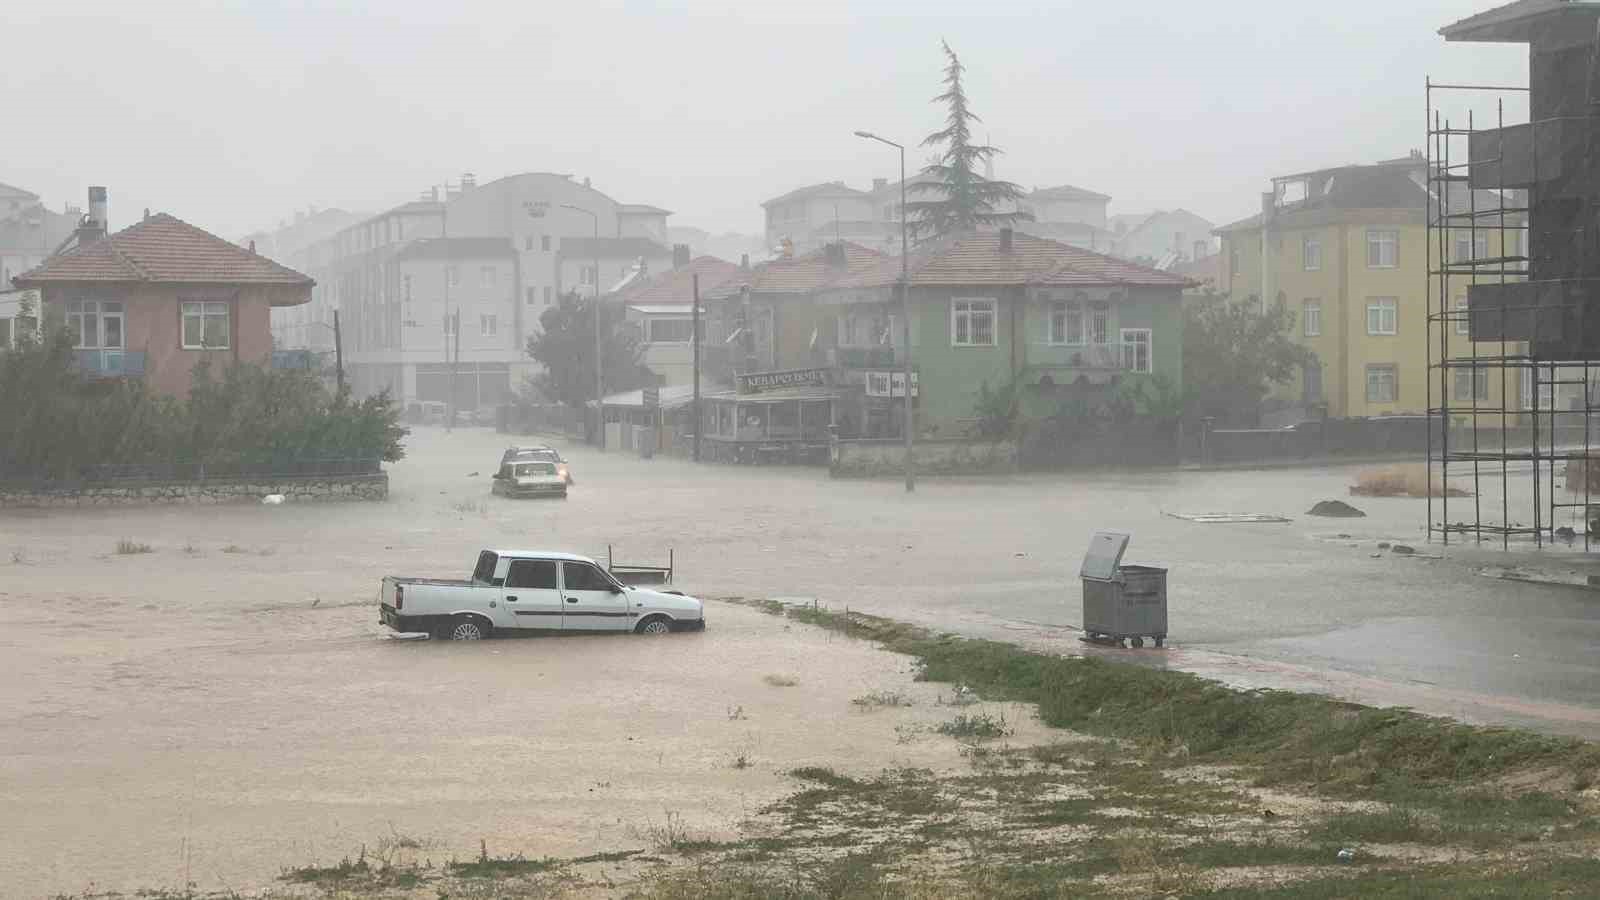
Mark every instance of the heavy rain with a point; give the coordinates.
(799, 452)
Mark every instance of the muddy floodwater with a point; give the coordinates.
(227, 705)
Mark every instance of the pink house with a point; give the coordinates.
(156, 298)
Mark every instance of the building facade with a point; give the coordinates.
(1345, 250)
(160, 297)
(29, 231)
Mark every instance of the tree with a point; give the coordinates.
(565, 346)
(969, 199)
(1233, 352)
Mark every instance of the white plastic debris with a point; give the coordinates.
(273, 499)
(1346, 855)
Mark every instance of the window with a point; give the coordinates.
(205, 326)
(1136, 350)
(96, 324)
(532, 296)
(1311, 253)
(1311, 317)
(488, 325)
(1066, 322)
(484, 572)
(532, 574)
(1470, 246)
(450, 322)
(587, 275)
(669, 331)
(1472, 384)
(487, 276)
(972, 323)
(405, 288)
(527, 242)
(452, 275)
(1100, 323)
(1311, 380)
(544, 243)
(1381, 313)
(584, 577)
(1383, 248)
(547, 296)
(1381, 387)
(1461, 323)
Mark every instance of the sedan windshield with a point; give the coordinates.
(529, 470)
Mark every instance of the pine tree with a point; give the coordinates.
(969, 199)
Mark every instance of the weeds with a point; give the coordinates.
(881, 700)
(19, 557)
(742, 761)
(126, 547)
(735, 714)
(981, 725)
(469, 507)
(234, 548)
(781, 680)
(190, 549)
(486, 866)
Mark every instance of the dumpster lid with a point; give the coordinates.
(1104, 555)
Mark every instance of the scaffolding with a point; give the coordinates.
(1518, 444)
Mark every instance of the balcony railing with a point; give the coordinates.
(1094, 356)
(110, 363)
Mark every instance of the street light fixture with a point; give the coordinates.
(599, 391)
(905, 309)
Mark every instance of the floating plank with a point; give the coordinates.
(1231, 518)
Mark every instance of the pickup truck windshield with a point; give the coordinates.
(487, 560)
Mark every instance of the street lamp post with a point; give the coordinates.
(599, 391)
(905, 310)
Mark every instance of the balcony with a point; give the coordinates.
(1090, 356)
(110, 363)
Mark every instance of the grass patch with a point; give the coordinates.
(1529, 880)
(781, 680)
(486, 866)
(881, 700)
(981, 725)
(126, 547)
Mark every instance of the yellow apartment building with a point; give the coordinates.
(1346, 250)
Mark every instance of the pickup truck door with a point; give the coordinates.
(593, 601)
(532, 598)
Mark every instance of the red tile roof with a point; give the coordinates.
(162, 248)
(802, 274)
(976, 258)
(677, 285)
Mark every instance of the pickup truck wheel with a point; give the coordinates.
(466, 628)
(654, 625)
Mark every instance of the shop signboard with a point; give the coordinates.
(892, 384)
(756, 382)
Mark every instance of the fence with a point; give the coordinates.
(192, 471)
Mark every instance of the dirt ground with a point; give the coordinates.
(226, 705)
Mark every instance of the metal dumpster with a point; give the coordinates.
(1121, 603)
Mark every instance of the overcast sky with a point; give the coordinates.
(233, 114)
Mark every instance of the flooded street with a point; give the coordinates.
(227, 704)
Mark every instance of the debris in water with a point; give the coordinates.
(1230, 518)
(1402, 550)
(1336, 509)
(1346, 855)
(472, 474)
(273, 500)
(1402, 481)
(1384, 545)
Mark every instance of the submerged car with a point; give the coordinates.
(529, 479)
(538, 453)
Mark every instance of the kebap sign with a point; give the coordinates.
(756, 382)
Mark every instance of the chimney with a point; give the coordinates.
(680, 255)
(879, 184)
(252, 247)
(1005, 240)
(468, 181)
(92, 227)
(833, 255)
(744, 261)
(1269, 204)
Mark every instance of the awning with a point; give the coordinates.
(666, 309)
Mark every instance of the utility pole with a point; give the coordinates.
(599, 369)
(905, 308)
(338, 351)
(696, 320)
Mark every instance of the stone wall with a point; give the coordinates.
(331, 488)
(886, 458)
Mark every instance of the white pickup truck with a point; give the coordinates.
(524, 591)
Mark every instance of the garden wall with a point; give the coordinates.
(295, 489)
(886, 458)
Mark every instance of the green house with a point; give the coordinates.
(995, 308)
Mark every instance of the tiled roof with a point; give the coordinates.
(975, 258)
(7, 190)
(677, 285)
(642, 209)
(162, 248)
(802, 274)
(1066, 192)
(1378, 186)
(612, 248)
(825, 189)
